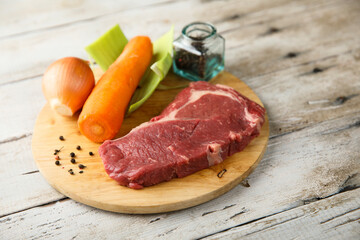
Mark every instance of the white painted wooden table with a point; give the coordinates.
(301, 57)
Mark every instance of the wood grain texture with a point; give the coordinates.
(22, 18)
(19, 177)
(288, 177)
(95, 188)
(243, 33)
(258, 60)
(313, 149)
(336, 217)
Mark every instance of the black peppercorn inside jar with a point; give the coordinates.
(199, 52)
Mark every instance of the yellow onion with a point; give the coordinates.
(66, 85)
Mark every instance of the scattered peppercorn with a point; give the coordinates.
(221, 173)
(291, 55)
(81, 171)
(91, 153)
(340, 100)
(317, 70)
(57, 162)
(56, 151)
(81, 166)
(78, 147)
(62, 138)
(72, 154)
(57, 157)
(273, 30)
(73, 161)
(71, 171)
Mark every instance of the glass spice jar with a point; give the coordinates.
(199, 52)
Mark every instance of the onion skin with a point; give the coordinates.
(67, 83)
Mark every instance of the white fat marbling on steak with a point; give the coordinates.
(214, 154)
(235, 136)
(195, 96)
(253, 119)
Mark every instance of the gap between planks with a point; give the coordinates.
(39, 205)
(89, 19)
(217, 204)
(14, 138)
(271, 30)
(305, 209)
(265, 23)
(346, 186)
(249, 78)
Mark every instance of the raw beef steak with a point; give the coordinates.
(203, 125)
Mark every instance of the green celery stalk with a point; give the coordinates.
(109, 46)
(106, 49)
(162, 61)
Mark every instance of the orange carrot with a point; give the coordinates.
(104, 110)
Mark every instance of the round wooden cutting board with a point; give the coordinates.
(95, 188)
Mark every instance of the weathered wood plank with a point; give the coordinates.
(298, 168)
(22, 18)
(21, 184)
(28, 90)
(263, 48)
(298, 97)
(25, 191)
(310, 98)
(20, 103)
(70, 40)
(336, 217)
(320, 107)
(266, 86)
(16, 156)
